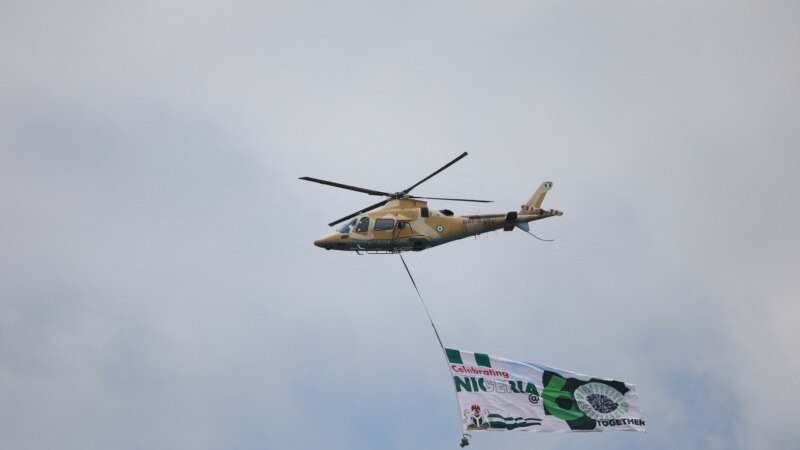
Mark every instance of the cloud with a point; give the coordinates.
(158, 286)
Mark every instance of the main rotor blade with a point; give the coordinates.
(435, 173)
(453, 199)
(368, 208)
(345, 186)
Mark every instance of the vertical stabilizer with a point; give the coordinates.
(535, 203)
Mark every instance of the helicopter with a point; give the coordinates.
(404, 222)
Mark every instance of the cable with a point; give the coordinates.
(537, 237)
(464, 437)
(421, 300)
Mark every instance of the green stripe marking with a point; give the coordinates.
(482, 359)
(454, 356)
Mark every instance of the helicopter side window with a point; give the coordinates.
(384, 224)
(346, 229)
(363, 225)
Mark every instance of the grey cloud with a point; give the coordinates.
(158, 286)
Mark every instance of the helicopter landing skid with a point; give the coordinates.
(387, 251)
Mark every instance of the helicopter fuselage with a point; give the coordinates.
(410, 225)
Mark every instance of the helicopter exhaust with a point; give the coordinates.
(511, 221)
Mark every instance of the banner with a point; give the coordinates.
(499, 394)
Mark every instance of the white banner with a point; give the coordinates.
(499, 394)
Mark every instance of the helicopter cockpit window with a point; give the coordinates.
(363, 225)
(346, 228)
(384, 224)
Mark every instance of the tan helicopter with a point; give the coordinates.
(406, 223)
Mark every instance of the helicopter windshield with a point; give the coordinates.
(347, 227)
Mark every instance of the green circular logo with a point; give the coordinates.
(600, 401)
(439, 228)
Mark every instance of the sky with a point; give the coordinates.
(158, 283)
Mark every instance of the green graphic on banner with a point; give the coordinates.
(596, 400)
(501, 394)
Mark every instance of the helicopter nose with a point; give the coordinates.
(326, 241)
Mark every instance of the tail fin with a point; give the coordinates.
(537, 198)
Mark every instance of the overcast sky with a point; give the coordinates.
(158, 284)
